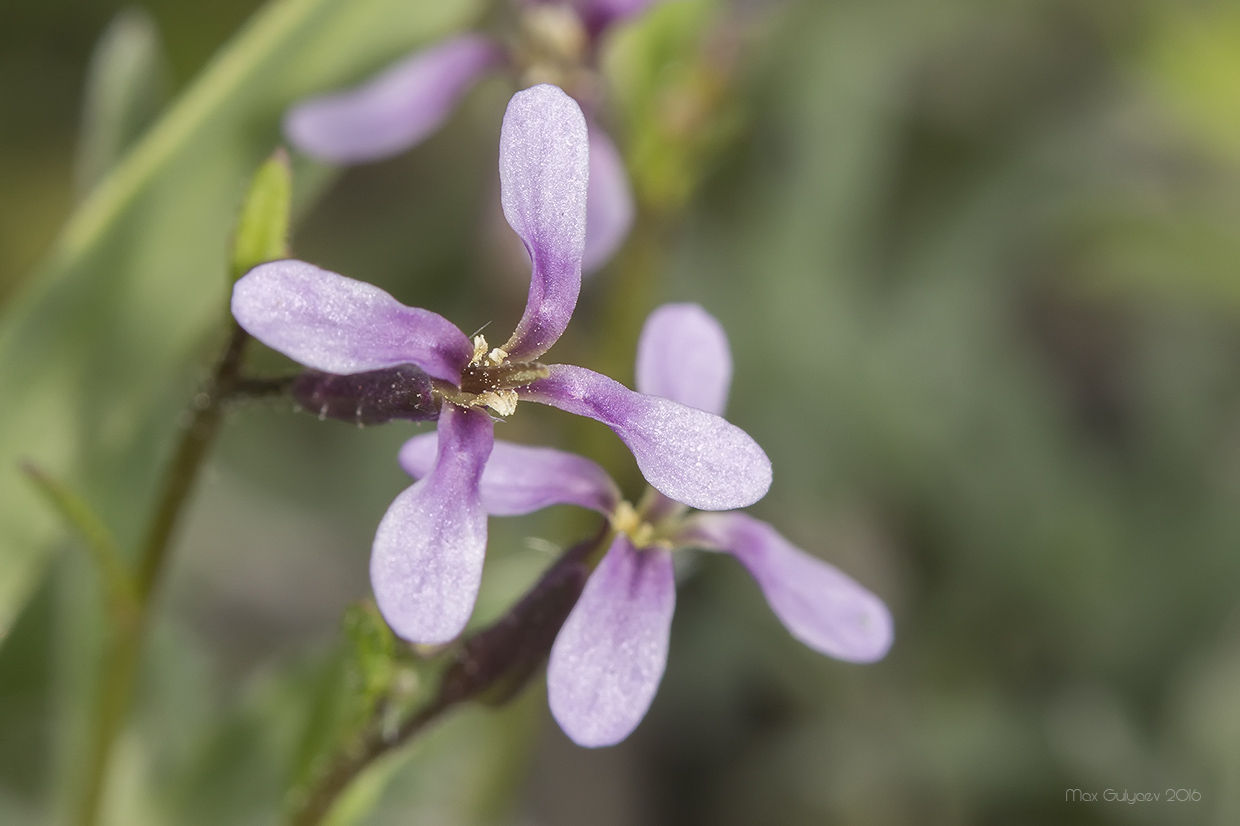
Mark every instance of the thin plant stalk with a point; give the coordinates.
(121, 658)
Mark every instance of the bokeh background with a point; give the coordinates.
(980, 267)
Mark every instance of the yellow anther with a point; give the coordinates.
(484, 356)
(480, 349)
(503, 402)
(643, 537)
(624, 519)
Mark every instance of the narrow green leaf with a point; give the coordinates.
(117, 580)
(126, 85)
(262, 228)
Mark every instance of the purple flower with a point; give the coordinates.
(405, 103)
(609, 657)
(426, 562)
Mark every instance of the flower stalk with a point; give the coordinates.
(490, 667)
(121, 658)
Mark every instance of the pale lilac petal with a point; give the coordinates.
(396, 109)
(544, 167)
(821, 606)
(519, 479)
(609, 657)
(688, 454)
(338, 325)
(609, 202)
(426, 563)
(683, 355)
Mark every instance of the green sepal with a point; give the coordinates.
(373, 684)
(262, 227)
(371, 645)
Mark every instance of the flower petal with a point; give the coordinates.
(339, 325)
(426, 563)
(396, 109)
(820, 605)
(520, 479)
(609, 202)
(609, 657)
(544, 168)
(688, 454)
(683, 355)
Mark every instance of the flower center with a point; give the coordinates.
(554, 47)
(491, 380)
(627, 520)
(553, 34)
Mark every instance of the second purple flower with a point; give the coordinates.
(609, 657)
(409, 100)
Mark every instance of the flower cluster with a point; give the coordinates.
(427, 557)
(426, 563)
(408, 101)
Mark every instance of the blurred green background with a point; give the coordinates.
(980, 267)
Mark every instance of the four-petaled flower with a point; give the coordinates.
(411, 99)
(427, 558)
(610, 655)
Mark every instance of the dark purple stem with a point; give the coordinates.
(491, 667)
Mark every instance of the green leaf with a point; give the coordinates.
(117, 580)
(675, 93)
(262, 229)
(126, 85)
(99, 351)
(372, 646)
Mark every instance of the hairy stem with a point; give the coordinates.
(206, 411)
(121, 657)
(248, 388)
(491, 666)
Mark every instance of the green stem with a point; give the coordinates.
(112, 704)
(206, 412)
(491, 666)
(121, 657)
(349, 764)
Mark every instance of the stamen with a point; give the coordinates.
(503, 402)
(626, 520)
(480, 349)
